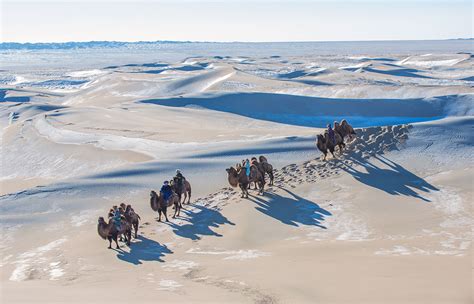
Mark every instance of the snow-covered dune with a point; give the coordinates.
(389, 215)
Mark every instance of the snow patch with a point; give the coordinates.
(33, 264)
(179, 265)
(232, 254)
(168, 285)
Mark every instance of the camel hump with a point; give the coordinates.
(262, 159)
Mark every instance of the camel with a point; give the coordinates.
(338, 129)
(267, 168)
(254, 162)
(324, 144)
(184, 189)
(133, 218)
(346, 129)
(239, 178)
(339, 143)
(110, 232)
(158, 204)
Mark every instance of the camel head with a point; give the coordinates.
(101, 220)
(232, 176)
(152, 193)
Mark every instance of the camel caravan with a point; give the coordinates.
(334, 137)
(121, 220)
(171, 194)
(119, 227)
(177, 191)
(250, 171)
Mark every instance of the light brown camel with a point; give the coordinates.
(158, 204)
(110, 232)
(347, 129)
(239, 178)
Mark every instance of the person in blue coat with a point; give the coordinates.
(247, 167)
(166, 191)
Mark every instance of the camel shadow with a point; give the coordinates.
(199, 223)
(293, 211)
(144, 250)
(395, 179)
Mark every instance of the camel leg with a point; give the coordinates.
(135, 226)
(159, 212)
(116, 242)
(189, 197)
(242, 188)
(110, 242)
(176, 208)
(166, 214)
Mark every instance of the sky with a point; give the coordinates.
(232, 20)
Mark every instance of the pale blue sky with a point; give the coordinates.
(228, 20)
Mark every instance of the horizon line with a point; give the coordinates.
(230, 41)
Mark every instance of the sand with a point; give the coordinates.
(388, 220)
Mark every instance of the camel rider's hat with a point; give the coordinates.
(178, 171)
(166, 182)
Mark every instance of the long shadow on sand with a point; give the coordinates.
(199, 223)
(294, 211)
(395, 179)
(144, 250)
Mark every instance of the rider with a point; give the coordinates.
(179, 178)
(332, 136)
(117, 219)
(247, 167)
(166, 190)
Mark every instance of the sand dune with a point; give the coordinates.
(387, 220)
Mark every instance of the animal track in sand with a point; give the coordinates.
(369, 142)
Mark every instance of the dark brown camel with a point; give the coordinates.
(267, 168)
(182, 191)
